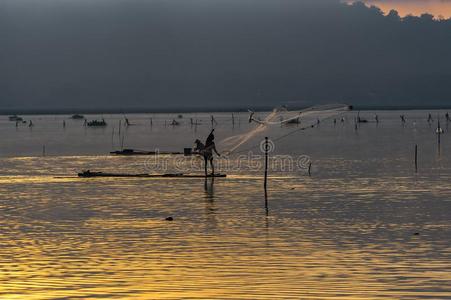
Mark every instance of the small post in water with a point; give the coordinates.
(416, 158)
(43, 150)
(310, 169)
(266, 162)
(439, 132)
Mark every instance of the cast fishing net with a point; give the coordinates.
(280, 117)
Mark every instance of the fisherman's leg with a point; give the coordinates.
(212, 167)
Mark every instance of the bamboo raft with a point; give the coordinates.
(141, 152)
(89, 174)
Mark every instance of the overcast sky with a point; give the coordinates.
(217, 53)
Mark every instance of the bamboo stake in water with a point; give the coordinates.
(112, 138)
(266, 175)
(43, 150)
(416, 158)
(122, 142)
(266, 162)
(439, 132)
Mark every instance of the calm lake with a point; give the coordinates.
(364, 225)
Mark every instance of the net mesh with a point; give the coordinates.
(280, 117)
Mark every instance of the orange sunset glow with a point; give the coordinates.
(440, 9)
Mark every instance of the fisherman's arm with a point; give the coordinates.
(216, 151)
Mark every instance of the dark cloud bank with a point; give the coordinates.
(123, 54)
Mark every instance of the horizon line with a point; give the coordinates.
(145, 110)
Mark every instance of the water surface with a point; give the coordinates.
(346, 232)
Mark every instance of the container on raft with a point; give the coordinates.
(187, 151)
(90, 174)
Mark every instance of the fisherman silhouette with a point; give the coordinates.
(207, 152)
(210, 139)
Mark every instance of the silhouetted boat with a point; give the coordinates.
(96, 123)
(360, 120)
(77, 117)
(15, 118)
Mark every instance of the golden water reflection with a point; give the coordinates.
(324, 238)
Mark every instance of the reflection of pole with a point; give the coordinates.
(416, 158)
(266, 203)
(266, 161)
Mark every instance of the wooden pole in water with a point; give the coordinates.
(266, 174)
(439, 132)
(310, 169)
(266, 162)
(233, 120)
(43, 150)
(112, 138)
(416, 158)
(122, 142)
